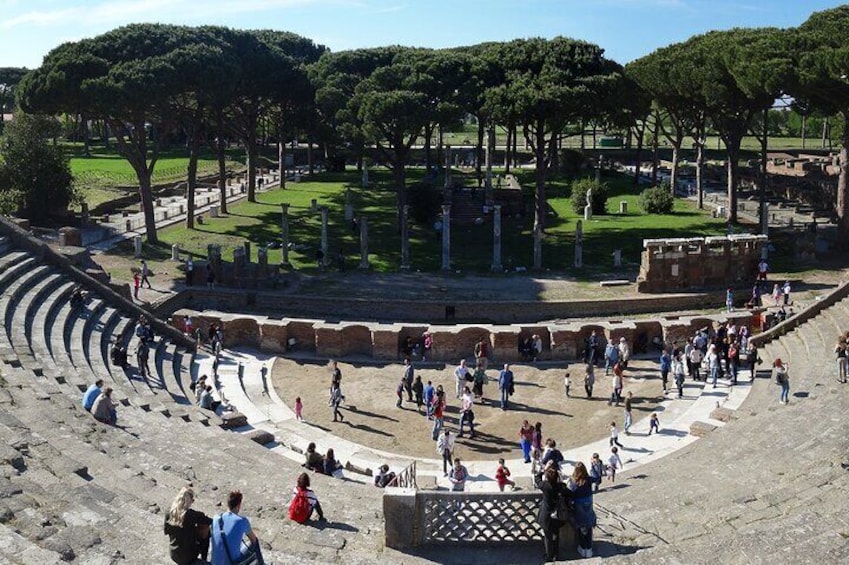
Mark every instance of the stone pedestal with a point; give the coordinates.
(617, 258)
(446, 237)
(137, 246)
(313, 205)
(349, 207)
(175, 252)
(579, 245)
(213, 211)
(496, 239)
(324, 250)
(70, 236)
(284, 235)
(623, 207)
(364, 264)
(262, 261)
(588, 212)
(247, 246)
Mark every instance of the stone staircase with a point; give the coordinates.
(465, 208)
(769, 487)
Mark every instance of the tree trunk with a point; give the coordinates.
(191, 179)
(539, 197)
(700, 171)
(310, 163)
(514, 152)
(641, 134)
(479, 151)
(222, 162)
(428, 131)
(251, 153)
(804, 129)
(583, 143)
(676, 155)
(654, 147)
(281, 162)
(733, 167)
(825, 133)
(507, 152)
(763, 175)
(842, 204)
(86, 135)
(146, 197)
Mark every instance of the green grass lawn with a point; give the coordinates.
(471, 245)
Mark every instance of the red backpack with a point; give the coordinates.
(300, 508)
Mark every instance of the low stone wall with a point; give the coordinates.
(378, 341)
(433, 312)
(417, 517)
(801, 317)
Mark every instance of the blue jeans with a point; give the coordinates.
(437, 427)
(785, 392)
(714, 373)
(505, 398)
(526, 449)
(627, 421)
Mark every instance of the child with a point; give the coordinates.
(502, 476)
(399, 392)
(596, 471)
(614, 435)
(299, 409)
(567, 382)
(614, 462)
(136, 284)
(654, 424)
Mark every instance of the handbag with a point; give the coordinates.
(250, 559)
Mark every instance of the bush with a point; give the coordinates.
(599, 194)
(657, 200)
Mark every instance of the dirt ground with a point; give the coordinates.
(372, 419)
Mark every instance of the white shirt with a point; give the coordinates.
(460, 372)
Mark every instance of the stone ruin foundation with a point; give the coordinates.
(700, 262)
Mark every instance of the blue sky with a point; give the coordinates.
(626, 29)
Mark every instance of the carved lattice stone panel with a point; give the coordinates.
(481, 518)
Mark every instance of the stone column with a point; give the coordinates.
(175, 252)
(364, 264)
(324, 212)
(349, 208)
(365, 176)
(496, 239)
(262, 261)
(447, 166)
(284, 226)
(446, 237)
(490, 141)
(137, 246)
(405, 240)
(579, 245)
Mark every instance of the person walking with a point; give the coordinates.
(408, 378)
(336, 398)
(506, 386)
(481, 353)
(589, 380)
(437, 411)
(678, 371)
(579, 487)
(429, 393)
(526, 438)
(190, 270)
(618, 383)
(614, 435)
(665, 366)
(628, 415)
(418, 392)
(611, 357)
(782, 378)
(136, 285)
(696, 357)
(145, 273)
(654, 424)
(460, 374)
(713, 364)
(467, 413)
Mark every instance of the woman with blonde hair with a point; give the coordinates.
(187, 529)
(580, 490)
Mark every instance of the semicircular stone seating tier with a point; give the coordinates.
(76, 490)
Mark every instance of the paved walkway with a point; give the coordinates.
(267, 411)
